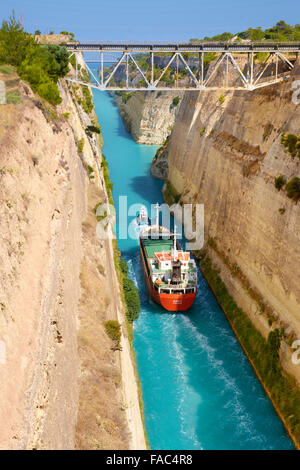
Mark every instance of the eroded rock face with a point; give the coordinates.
(227, 157)
(46, 192)
(160, 165)
(150, 116)
(42, 194)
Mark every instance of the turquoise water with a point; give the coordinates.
(199, 390)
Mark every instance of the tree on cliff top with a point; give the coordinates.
(53, 61)
(14, 42)
(281, 31)
(40, 65)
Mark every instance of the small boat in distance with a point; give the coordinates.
(170, 273)
(142, 218)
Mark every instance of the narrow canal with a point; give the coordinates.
(199, 391)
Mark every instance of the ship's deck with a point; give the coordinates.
(157, 246)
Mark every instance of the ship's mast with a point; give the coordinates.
(174, 246)
(157, 215)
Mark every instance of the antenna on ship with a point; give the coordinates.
(157, 215)
(174, 246)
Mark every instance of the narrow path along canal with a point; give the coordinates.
(199, 390)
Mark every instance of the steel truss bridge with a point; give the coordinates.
(280, 59)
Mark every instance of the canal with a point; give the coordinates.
(199, 390)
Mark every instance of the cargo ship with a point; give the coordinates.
(170, 273)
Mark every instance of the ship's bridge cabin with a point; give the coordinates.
(165, 259)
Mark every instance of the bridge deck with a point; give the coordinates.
(227, 56)
(182, 47)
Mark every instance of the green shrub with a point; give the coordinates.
(7, 69)
(113, 331)
(13, 97)
(292, 143)
(58, 60)
(50, 92)
(131, 298)
(87, 103)
(101, 269)
(293, 188)
(108, 183)
(175, 101)
(202, 131)
(104, 214)
(68, 33)
(33, 73)
(80, 145)
(130, 291)
(124, 267)
(90, 129)
(221, 99)
(14, 42)
(279, 182)
(84, 75)
(261, 57)
(72, 61)
(274, 342)
(40, 65)
(126, 97)
(281, 210)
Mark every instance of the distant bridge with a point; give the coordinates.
(237, 57)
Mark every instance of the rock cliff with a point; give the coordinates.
(149, 116)
(56, 279)
(227, 155)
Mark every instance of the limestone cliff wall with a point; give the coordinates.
(55, 286)
(43, 202)
(149, 116)
(227, 156)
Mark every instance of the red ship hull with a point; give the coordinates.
(170, 302)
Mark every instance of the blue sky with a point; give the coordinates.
(150, 19)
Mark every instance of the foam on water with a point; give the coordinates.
(199, 390)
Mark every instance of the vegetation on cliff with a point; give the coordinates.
(292, 143)
(280, 32)
(108, 183)
(131, 295)
(130, 292)
(39, 65)
(293, 188)
(113, 331)
(89, 130)
(279, 182)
